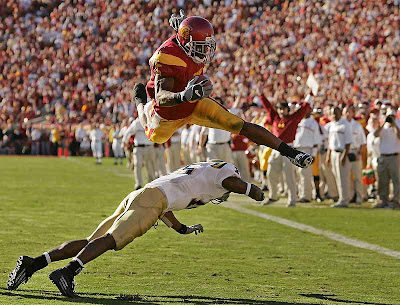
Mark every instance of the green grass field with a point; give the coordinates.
(239, 259)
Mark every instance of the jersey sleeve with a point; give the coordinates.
(167, 64)
(224, 171)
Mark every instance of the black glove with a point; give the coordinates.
(302, 160)
(188, 230)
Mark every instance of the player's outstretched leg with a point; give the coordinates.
(21, 273)
(262, 136)
(27, 266)
(63, 278)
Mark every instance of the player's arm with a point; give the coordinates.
(163, 91)
(170, 220)
(196, 89)
(237, 185)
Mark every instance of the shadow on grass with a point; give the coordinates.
(118, 299)
(331, 297)
(114, 299)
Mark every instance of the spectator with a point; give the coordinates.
(339, 140)
(307, 140)
(96, 136)
(388, 162)
(35, 134)
(218, 144)
(55, 139)
(357, 188)
(173, 152)
(239, 146)
(143, 153)
(284, 126)
(117, 145)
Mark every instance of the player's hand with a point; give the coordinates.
(175, 21)
(195, 228)
(196, 90)
(256, 193)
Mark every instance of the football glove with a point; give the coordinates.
(196, 90)
(302, 160)
(195, 228)
(175, 21)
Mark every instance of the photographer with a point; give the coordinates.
(388, 162)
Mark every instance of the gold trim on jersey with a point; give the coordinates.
(167, 59)
(200, 72)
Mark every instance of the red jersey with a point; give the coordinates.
(239, 142)
(169, 60)
(285, 128)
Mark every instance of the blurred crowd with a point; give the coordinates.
(70, 65)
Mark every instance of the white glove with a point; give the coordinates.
(195, 228)
(175, 21)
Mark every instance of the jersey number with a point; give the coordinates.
(189, 169)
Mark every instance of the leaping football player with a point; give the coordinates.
(180, 92)
(189, 187)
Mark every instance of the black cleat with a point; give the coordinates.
(302, 160)
(21, 273)
(139, 94)
(64, 282)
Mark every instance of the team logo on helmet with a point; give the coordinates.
(185, 31)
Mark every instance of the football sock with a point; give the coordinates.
(75, 266)
(41, 262)
(287, 151)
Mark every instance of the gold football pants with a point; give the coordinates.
(207, 113)
(134, 216)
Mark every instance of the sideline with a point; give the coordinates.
(299, 226)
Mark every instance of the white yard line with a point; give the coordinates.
(331, 235)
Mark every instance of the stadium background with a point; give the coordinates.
(65, 62)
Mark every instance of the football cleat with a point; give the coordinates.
(139, 94)
(64, 281)
(302, 160)
(21, 273)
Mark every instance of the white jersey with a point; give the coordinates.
(195, 184)
(96, 135)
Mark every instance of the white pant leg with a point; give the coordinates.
(149, 162)
(173, 157)
(211, 150)
(290, 178)
(356, 185)
(242, 163)
(160, 168)
(117, 150)
(305, 174)
(327, 179)
(342, 175)
(186, 157)
(97, 149)
(138, 159)
(225, 153)
(274, 172)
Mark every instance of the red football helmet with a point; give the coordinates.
(196, 38)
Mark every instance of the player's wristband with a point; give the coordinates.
(248, 189)
(182, 230)
(179, 97)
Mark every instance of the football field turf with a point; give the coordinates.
(240, 258)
